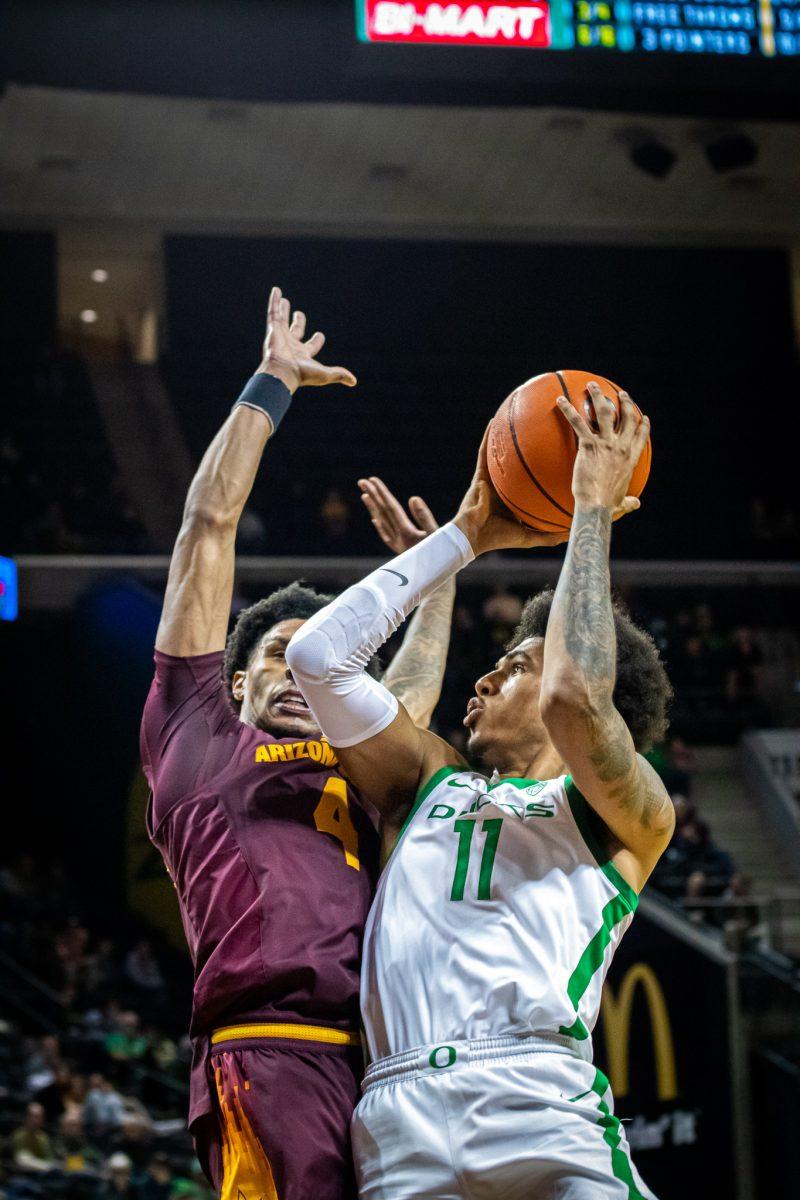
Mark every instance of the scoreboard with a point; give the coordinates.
(749, 28)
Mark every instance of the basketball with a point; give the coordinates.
(532, 449)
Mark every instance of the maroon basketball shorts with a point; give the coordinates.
(283, 1108)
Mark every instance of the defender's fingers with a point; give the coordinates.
(274, 305)
(286, 309)
(371, 497)
(388, 499)
(579, 426)
(422, 514)
(298, 326)
(314, 344)
(341, 375)
(376, 513)
(604, 410)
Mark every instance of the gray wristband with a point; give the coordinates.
(268, 395)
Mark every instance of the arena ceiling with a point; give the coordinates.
(73, 159)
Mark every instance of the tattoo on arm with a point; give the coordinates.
(584, 610)
(416, 672)
(632, 783)
(588, 617)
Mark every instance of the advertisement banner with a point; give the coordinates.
(466, 24)
(664, 1041)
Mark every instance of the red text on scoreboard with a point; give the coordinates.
(477, 24)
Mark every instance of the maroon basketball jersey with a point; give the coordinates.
(272, 856)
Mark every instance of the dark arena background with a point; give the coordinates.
(462, 196)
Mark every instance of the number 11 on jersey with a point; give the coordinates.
(465, 830)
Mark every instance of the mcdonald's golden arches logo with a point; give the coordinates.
(617, 1011)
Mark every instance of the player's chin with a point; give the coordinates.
(479, 743)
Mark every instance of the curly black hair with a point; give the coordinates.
(294, 601)
(642, 692)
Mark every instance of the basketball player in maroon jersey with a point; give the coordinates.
(271, 854)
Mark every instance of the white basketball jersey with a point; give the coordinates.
(498, 913)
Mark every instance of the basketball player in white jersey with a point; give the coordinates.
(504, 897)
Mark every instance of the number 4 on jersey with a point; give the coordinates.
(332, 815)
(465, 830)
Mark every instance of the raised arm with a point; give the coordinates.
(381, 749)
(416, 672)
(580, 645)
(194, 619)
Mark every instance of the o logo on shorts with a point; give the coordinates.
(437, 1062)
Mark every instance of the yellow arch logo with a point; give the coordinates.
(617, 1027)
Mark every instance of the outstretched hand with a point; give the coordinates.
(392, 524)
(486, 521)
(291, 359)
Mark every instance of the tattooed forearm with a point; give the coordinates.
(416, 672)
(632, 784)
(580, 664)
(584, 595)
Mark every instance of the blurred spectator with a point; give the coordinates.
(157, 1181)
(251, 533)
(127, 1042)
(334, 515)
(72, 1147)
(692, 867)
(675, 763)
(31, 1147)
(120, 1184)
(104, 1108)
(42, 1064)
(501, 611)
(744, 677)
(142, 969)
(54, 1096)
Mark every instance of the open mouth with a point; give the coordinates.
(292, 704)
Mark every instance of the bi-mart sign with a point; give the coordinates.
(483, 23)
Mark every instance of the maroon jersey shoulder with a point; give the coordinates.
(271, 852)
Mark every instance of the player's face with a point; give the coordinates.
(270, 698)
(504, 713)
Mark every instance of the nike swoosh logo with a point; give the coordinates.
(402, 578)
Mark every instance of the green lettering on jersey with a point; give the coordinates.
(539, 810)
(444, 814)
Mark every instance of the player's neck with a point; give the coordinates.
(542, 762)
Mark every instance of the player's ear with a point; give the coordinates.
(237, 685)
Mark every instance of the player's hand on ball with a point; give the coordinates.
(487, 522)
(392, 524)
(608, 451)
(291, 359)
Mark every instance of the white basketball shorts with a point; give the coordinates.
(511, 1118)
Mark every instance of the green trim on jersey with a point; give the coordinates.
(612, 1136)
(579, 809)
(590, 963)
(515, 781)
(422, 795)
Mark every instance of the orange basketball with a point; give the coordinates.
(532, 448)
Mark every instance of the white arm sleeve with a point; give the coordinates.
(328, 655)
